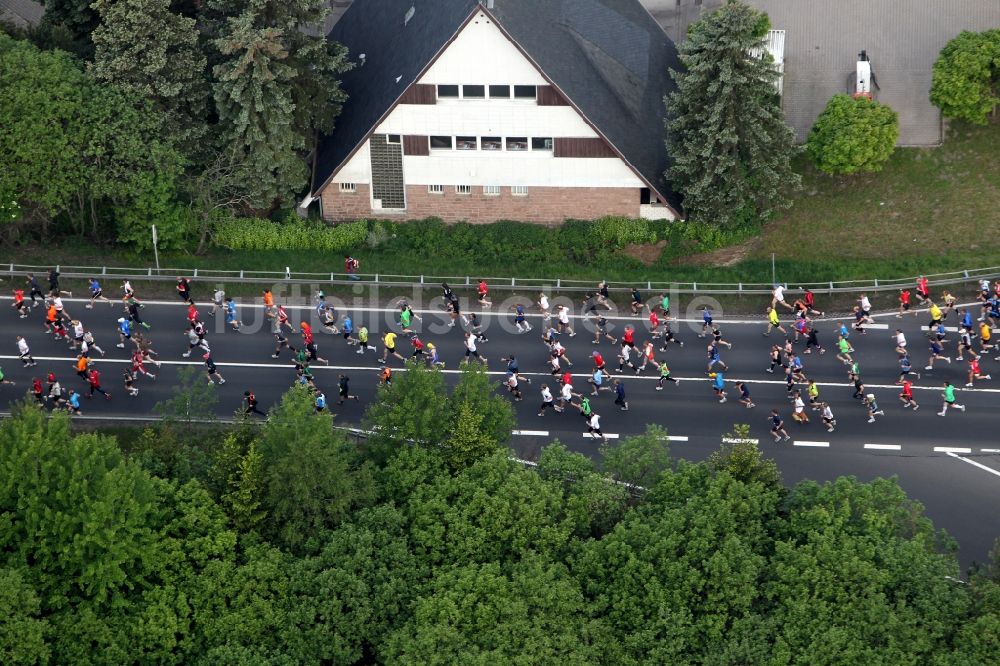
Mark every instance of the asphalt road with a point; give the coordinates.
(951, 464)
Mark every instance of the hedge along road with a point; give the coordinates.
(959, 495)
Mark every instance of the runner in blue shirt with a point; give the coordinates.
(777, 426)
(124, 332)
(73, 405)
(713, 358)
(719, 385)
(620, 395)
(232, 318)
(320, 401)
(96, 294)
(706, 321)
(347, 328)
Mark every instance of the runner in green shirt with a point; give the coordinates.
(845, 350)
(949, 400)
(665, 304)
(3, 380)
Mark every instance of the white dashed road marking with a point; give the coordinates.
(884, 447)
(800, 442)
(951, 449)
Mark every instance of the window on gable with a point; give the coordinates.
(497, 92)
(466, 142)
(525, 92)
(541, 143)
(463, 189)
(440, 143)
(492, 143)
(473, 92)
(435, 189)
(519, 190)
(491, 190)
(517, 143)
(348, 187)
(446, 91)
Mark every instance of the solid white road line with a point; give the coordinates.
(990, 450)
(607, 435)
(884, 447)
(531, 433)
(974, 463)
(951, 449)
(800, 442)
(736, 440)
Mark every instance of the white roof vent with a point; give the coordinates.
(409, 14)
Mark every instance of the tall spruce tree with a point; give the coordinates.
(294, 64)
(144, 47)
(729, 144)
(254, 101)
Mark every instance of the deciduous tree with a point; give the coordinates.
(853, 135)
(967, 75)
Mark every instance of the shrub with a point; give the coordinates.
(966, 75)
(853, 135)
(621, 231)
(243, 233)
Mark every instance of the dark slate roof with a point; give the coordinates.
(22, 13)
(609, 57)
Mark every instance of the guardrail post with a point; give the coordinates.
(12, 268)
(149, 271)
(513, 282)
(104, 270)
(331, 276)
(966, 273)
(196, 272)
(288, 273)
(694, 286)
(558, 283)
(376, 278)
(467, 280)
(649, 285)
(241, 274)
(831, 286)
(58, 270)
(739, 287)
(876, 283)
(421, 279)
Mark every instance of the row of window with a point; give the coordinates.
(486, 92)
(489, 190)
(512, 143)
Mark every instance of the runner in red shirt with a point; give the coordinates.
(137, 364)
(483, 292)
(94, 379)
(307, 334)
(810, 301)
(192, 314)
(19, 304)
(628, 336)
(36, 390)
(654, 323)
(906, 396)
(283, 317)
(974, 372)
(923, 291)
(598, 360)
(904, 303)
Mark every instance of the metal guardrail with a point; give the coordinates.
(415, 281)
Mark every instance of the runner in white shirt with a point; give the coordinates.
(24, 352)
(543, 305)
(594, 426)
(564, 326)
(799, 415)
(77, 334)
(218, 298)
(778, 296)
(866, 307)
(470, 349)
(900, 342)
(88, 344)
(546, 400)
(565, 397)
(828, 419)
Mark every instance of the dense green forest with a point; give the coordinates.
(287, 543)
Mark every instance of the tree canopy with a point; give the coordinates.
(853, 135)
(967, 76)
(294, 547)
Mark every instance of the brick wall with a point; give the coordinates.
(542, 204)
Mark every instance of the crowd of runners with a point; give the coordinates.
(642, 347)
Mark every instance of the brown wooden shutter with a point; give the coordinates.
(416, 145)
(580, 147)
(419, 93)
(549, 96)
